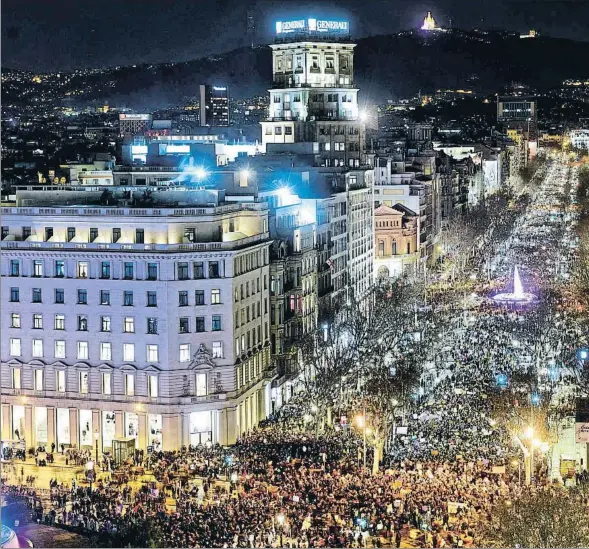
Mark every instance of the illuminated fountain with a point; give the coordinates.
(518, 297)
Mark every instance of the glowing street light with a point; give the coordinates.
(200, 173)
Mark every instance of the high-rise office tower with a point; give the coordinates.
(313, 98)
(214, 105)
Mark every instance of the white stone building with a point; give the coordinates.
(149, 322)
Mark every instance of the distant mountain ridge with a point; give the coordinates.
(385, 66)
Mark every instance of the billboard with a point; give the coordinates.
(134, 116)
(313, 26)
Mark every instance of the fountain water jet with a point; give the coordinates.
(518, 297)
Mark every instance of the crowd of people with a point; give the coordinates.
(287, 485)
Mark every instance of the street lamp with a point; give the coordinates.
(280, 518)
(361, 422)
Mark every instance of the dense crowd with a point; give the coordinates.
(283, 485)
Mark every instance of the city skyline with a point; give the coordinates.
(110, 34)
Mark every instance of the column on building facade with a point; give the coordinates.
(97, 429)
(119, 424)
(142, 438)
(228, 428)
(185, 421)
(7, 422)
(172, 432)
(74, 430)
(51, 431)
(29, 433)
(261, 402)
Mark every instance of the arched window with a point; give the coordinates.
(394, 247)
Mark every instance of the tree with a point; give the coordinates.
(384, 332)
(553, 517)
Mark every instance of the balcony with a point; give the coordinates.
(91, 246)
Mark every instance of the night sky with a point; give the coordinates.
(66, 34)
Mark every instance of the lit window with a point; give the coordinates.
(59, 349)
(106, 383)
(184, 352)
(38, 348)
(215, 297)
(82, 350)
(129, 326)
(60, 381)
(37, 268)
(84, 383)
(38, 380)
(129, 352)
(15, 320)
(153, 387)
(38, 322)
(16, 375)
(82, 269)
(129, 384)
(106, 351)
(217, 349)
(105, 324)
(201, 384)
(59, 268)
(152, 353)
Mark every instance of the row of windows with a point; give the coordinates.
(129, 269)
(82, 323)
(338, 130)
(248, 313)
(278, 130)
(340, 147)
(244, 290)
(201, 382)
(199, 324)
(106, 350)
(128, 297)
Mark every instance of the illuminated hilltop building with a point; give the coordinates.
(429, 23)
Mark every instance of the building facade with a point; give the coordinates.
(146, 322)
(214, 105)
(396, 247)
(313, 98)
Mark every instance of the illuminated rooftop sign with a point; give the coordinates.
(312, 26)
(134, 116)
